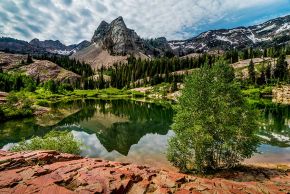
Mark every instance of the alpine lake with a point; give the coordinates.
(132, 131)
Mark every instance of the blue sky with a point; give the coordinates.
(72, 21)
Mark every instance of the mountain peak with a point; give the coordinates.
(120, 18)
(116, 38)
(34, 40)
(119, 22)
(100, 32)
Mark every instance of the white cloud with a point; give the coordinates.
(74, 20)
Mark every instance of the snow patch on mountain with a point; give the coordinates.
(284, 27)
(267, 28)
(62, 52)
(252, 37)
(224, 38)
(203, 35)
(240, 37)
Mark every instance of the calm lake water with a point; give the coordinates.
(136, 132)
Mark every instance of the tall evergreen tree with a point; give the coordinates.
(281, 69)
(251, 71)
(268, 73)
(29, 59)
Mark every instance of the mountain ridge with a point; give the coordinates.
(56, 47)
(118, 40)
(269, 33)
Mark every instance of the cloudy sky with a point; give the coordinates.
(72, 21)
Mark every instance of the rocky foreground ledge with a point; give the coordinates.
(52, 172)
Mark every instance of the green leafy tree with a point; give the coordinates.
(214, 128)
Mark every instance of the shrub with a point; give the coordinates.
(62, 141)
(17, 106)
(44, 103)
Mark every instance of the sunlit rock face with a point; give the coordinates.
(52, 172)
(117, 38)
(281, 94)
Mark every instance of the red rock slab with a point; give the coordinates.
(52, 172)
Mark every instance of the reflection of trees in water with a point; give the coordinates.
(143, 118)
(87, 111)
(276, 120)
(15, 130)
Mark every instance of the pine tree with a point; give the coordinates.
(268, 73)
(265, 53)
(37, 81)
(262, 78)
(18, 84)
(246, 54)
(29, 59)
(281, 69)
(251, 71)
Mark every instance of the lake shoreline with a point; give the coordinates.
(50, 171)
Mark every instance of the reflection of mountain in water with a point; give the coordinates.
(119, 124)
(276, 126)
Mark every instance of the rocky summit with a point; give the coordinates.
(120, 40)
(52, 172)
(117, 38)
(114, 42)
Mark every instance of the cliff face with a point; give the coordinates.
(117, 39)
(51, 172)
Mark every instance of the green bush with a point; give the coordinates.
(137, 94)
(112, 91)
(17, 106)
(267, 90)
(62, 141)
(253, 93)
(44, 103)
